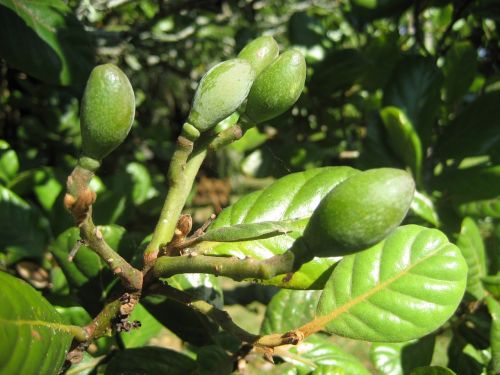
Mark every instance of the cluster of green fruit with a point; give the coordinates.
(257, 86)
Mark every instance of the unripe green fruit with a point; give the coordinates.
(359, 212)
(220, 92)
(107, 111)
(260, 53)
(277, 88)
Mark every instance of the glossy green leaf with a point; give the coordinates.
(492, 284)
(474, 131)
(244, 232)
(494, 308)
(415, 88)
(88, 275)
(482, 208)
(186, 323)
(18, 215)
(150, 360)
(423, 207)
(472, 247)
(403, 139)
(44, 39)
(459, 70)
(9, 163)
(402, 358)
(292, 197)
(400, 289)
(457, 183)
(33, 338)
(289, 309)
(432, 370)
(316, 352)
(149, 328)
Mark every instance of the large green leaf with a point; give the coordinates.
(292, 197)
(402, 358)
(492, 284)
(415, 89)
(317, 352)
(471, 244)
(44, 39)
(289, 309)
(475, 131)
(24, 232)
(186, 323)
(149, 328)
(481, 208)
(494, 308)
(400, 289)
(33, 338)
(150, 360)
(459, 70)
(403, 139)
(88, 275)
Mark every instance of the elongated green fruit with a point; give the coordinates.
(260, 53)
(277, 88)
(359, 212)
(107, 111)
(220, 92)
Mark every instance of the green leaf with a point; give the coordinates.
(141, 183)
(44, 39)
(482, 208)
(9, 163)
(459, 70)
(140, 336)
(464, 359)
(212, 359)
(316, 352)
(289, 309)
(186, 323)
(494, 308)
(33, 338)
(423, 207)
(492, 284)
(403, 139)
(475, 130)
(244, 232)
(150, 360)
(471, 244)
(295, 196)
(415, 88)
(400, 289)
(402, 358)
(432, 370)
(457, 183)
(88, 275)
(24, 232)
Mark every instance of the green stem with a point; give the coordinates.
(183, 169)
(235, 268)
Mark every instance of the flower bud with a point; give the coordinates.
(260, 53)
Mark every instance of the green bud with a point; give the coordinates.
(107, 111)
(359, 212)
(260, 53)
(277, 88)
(220, 92)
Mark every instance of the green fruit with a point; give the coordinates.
(277, 88)
(260, 53)
(107, 111)
(220, 92)
(359, 212)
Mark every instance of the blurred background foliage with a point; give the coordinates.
(407, 84)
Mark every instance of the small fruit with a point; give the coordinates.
(277, 88)
(260, 53)
(107, 111)
(220, 92)
(359, 212)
